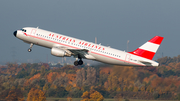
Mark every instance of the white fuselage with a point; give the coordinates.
(95, 51)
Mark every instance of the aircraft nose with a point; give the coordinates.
(15, 32)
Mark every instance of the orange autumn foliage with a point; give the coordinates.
(177, 66)
(49, 76)
(15, 95)
(53, 75)
(146, 79)
(71, 78)
(36, 95)
(37, 76)
(105, 70)
(92, 96)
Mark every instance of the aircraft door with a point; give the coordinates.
(127, 58)
(33, 32)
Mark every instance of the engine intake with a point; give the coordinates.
(59, 52)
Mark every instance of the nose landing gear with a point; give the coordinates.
(29, 50)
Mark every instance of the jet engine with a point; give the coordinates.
(59, 52)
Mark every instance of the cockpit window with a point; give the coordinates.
(23, 30)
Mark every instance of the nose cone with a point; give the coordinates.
(15, 32)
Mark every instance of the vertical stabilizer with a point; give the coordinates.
(148, 50)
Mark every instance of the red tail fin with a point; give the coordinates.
(148, 49)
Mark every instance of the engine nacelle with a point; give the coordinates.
(59, 52)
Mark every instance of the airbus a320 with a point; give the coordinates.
(65, 46)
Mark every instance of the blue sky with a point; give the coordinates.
(113, 22)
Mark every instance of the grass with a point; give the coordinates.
(62, 99)
(150, 100)
(79, 99)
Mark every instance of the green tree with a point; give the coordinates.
(43, 70)
(45, 88)
(22, 74)
(75, 93)
(51, 92)
(42, 82)
(61, 92)
(178, 96)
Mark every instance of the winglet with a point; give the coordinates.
(148, 50)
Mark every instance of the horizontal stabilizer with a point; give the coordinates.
(144, 62)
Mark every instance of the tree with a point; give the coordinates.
(15, 95)
(178, 96)
(60, 81)
(121, 77)
(80, 77)
(42, 82)
(85, 96)
(155, 95)
(33, 71)
(19, 82)
(4, 94)
(36, 95)
(51, 92)
(91, 76)
(75, 93)
(103, 78)
(102, 90)
(22, 74)
(61, 92)
(43, 69)
(45, 88)
(92, 96)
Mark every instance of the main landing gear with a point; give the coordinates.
(29, 50)
(80, 62)
(76, 63)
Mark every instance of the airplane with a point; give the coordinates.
(65, 46)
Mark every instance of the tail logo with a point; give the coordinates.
(149, 49)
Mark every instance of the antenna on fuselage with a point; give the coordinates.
(127, 45)
(95, 40)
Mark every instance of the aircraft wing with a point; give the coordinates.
(83, 53)
(78, 51)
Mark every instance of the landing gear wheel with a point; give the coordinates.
(76, 63)
(80, 62)
(29, 50)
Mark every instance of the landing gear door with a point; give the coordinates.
(127, 58)
(33, 32)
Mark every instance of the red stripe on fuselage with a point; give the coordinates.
(117, 59)
(52, 41)
(80, 48)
